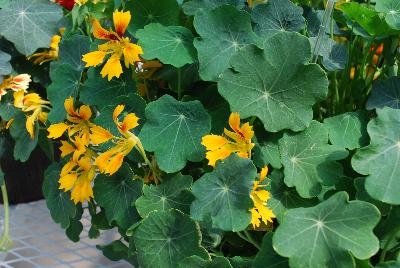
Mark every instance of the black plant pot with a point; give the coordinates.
(23, 180)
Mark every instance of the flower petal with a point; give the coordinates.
(100, 135)
(213, 142)
(121, 21)
(66, 148)
(131, 54)
(99, 32)
(112, 68)
(94, 58)
(234, 121)
(57, 130)
(130, 121)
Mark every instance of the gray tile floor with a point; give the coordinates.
(39, 242)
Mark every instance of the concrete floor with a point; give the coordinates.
(39, 242)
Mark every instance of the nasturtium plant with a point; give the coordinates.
(209, 133)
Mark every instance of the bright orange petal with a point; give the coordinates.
(121, 20)
(247, 131)
(102, 159)
(85, 112)
(93, 58)
(114, 164)
(100, 135)
(99, 32)
(131, 54)
(214, 156)
(112, 68)
(234, 121)
(130, 121)
(117, 111)
(57, 130)
(263, 173)
(69, 106)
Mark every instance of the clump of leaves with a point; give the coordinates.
(228, 133)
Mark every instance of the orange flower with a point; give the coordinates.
(15, 83)
(50, 54)
(117, 47)
(238, 141)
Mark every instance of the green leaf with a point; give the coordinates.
(267, 153)
(309, 160)
(171, 45)
(367, 18)
(284, 198)
(117, 194)
(166, 237)
(325, 235)
(144, 12)
(334, 55)
(179, 79)
(115, 251)
(191, 7)
(362, 195)
(197, 262)
(5, 66)
(62, 209)
(277, 16)
(65, 83)
(385, 93)
(173, 192)
(391, 9)
(71, 50)
(98, 91)
(181, 125)
(218, 42)
(30, 24)
(24, 144)
(348, 130)
(267, 257)
(389, 264)
(275, 84)
(381, 159)
(241, 262)
(224, 194)
(7, 108)
(76, 227)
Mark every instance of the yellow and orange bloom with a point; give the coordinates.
(261, 212)
(237, 141)
(77, 123)
(15, 83)
(111, 160)
(31, 103)
(49, 54)
(118, 47)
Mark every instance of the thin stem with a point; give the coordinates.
(5, 241)
(322, 28)
(393, 235)
(247, 237)
(179, 83)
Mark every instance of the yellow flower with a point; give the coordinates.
(49, 54)
(251, 3)
(238, 141)
(117, 47)
(31, 103)
(15, 83)
(260, 212)
(111, 160)
(77, 123)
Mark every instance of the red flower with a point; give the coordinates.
(68, 4)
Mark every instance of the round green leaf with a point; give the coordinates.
(267, 257)
(71, 51)
(275, 84)
(24, 144)
(173, 192)
(277, 16)
(219, 42)
(284, 198)
(30, 24)
(334, 55)
(62, 209)
(144, 12)
(197, 262)
(166, 237)
(391, 8)
(191, 7)
(171, 45)
(266, 153)
(362, 195)
(224, 194)
(381, 159)
(323, 236)
(385, 93)
(348, 130)
(5, 66)
(98, 91)
(117, 195)
(65, 83)
(180, 125)
(310, 161)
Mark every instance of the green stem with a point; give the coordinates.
(392, 236)
(179, 83)
(5, 241)
(247, 237)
